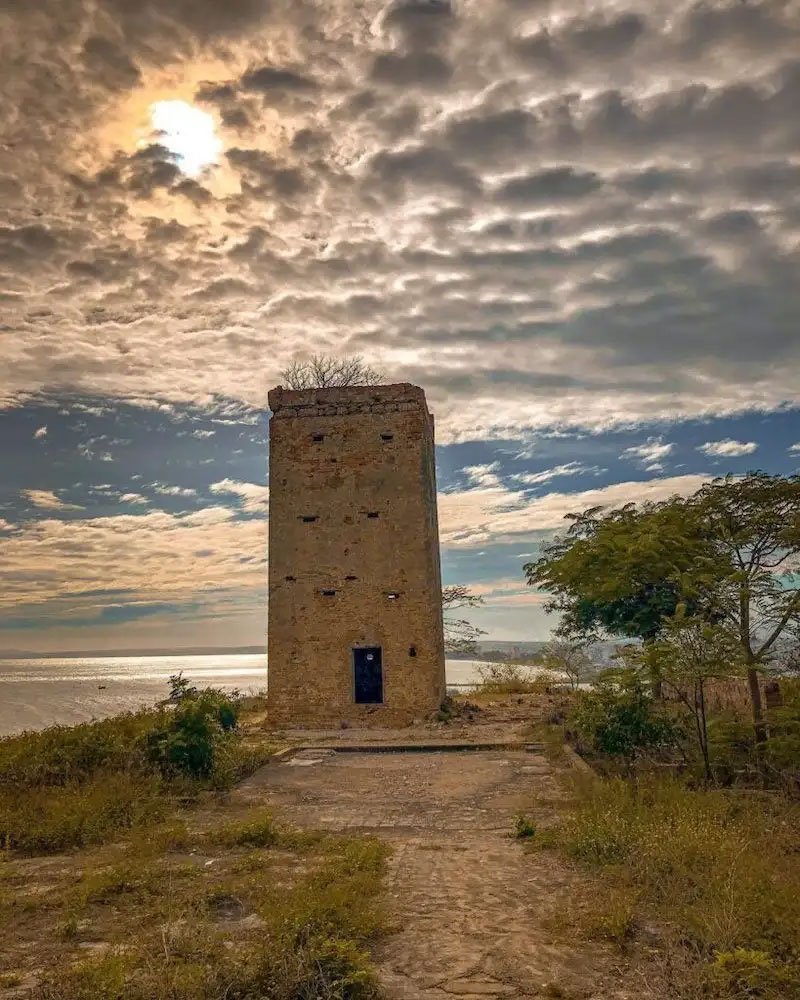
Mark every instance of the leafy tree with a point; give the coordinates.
(323, 371)
(618, 572)
(460, 636)
(688, 653)
(753, 524)
(569, 658)
(728, 554)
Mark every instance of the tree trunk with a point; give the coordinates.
(752, 672)
(755, 701)
(704, 732)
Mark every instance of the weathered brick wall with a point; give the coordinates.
(339, 455)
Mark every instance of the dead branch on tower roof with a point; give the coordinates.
(324, 371)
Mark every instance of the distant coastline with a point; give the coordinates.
(61, 654)
(38, 692)
(509, 646)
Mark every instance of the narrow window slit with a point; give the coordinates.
(328, 593)
(412, 650)
(289, 579)
(351, 578)
(308, 518)
(387, 437)
(317, 437)
(373, 514)
(392, 595)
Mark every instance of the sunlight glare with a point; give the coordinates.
(187, 132)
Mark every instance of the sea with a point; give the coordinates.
(35, 694)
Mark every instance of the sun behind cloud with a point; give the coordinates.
(187, 132)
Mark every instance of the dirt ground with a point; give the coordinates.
(475, 915)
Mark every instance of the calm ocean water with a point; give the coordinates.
(39, 693)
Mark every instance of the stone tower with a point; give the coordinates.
(355, 611)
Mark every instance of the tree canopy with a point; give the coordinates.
(728, 555)
(753, 525)
(619, 572)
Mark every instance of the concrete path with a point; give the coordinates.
(477, 916)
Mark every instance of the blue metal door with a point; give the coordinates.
(368, 675)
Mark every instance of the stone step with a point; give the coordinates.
(324, 750)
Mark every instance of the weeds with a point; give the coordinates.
(248, 923)
(508, 678)
(69, 787)
(63, 755)
(308, 945)
(524, 827)
(46, 819)
(736, 757)
(552, 736)
(718, 869)
(132, 880)
(258, 831)
(615, 921)
(445, 713)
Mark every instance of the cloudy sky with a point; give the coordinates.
(576, 224)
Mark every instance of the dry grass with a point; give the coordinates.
(715, 870)
(509, 678)
(242, 910)
(145, 906)
(67, 787)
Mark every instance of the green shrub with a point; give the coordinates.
(747, 972)
(618, 717)
(524, 827)
(182, 741)
(69, 786)
(187, 744)
(62, 755)
(445, 713)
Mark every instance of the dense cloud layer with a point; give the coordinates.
(562, 218)
(548, 214)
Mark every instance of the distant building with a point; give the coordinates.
(355, 611)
